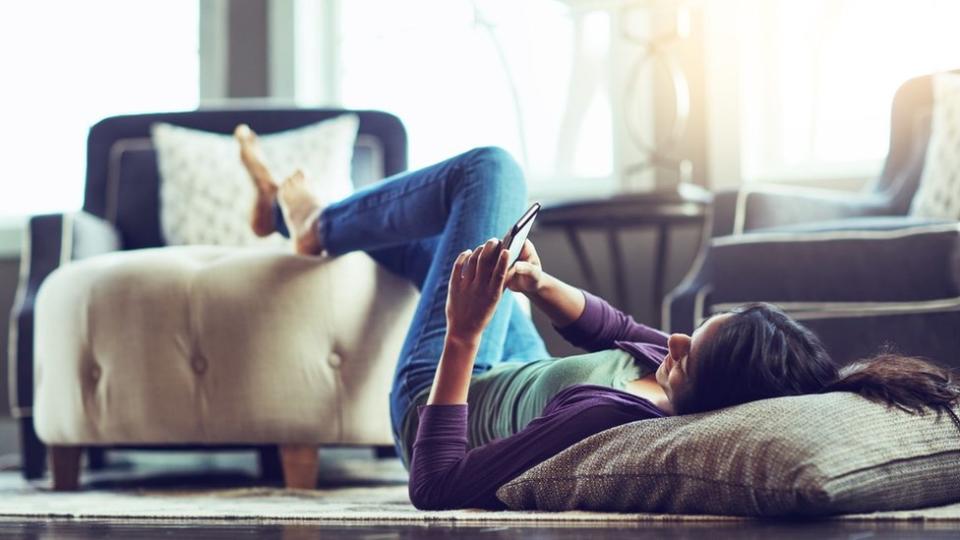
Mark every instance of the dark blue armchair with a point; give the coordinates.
(855, 268)
(121, 211)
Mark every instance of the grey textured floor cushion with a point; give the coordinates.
(805, 455)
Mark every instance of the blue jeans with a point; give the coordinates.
(415, 224)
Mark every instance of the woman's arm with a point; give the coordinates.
(475, 288)
(445, 474)
(561, 302)
(601, 326)
(451, 382)
(585, 320)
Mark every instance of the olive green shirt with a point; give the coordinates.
(504, 399)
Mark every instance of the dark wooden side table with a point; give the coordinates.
(658, 210)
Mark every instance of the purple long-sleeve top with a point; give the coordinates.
(445, 473)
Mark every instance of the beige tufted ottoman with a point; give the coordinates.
(211, 346)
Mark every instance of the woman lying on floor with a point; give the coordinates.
(470, 343)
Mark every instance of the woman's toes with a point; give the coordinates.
(243, 132)
(301, 209)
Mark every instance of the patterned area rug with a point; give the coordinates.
(365, 504)
(351, 490)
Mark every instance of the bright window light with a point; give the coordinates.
(472, 73)
(818, 79)
(68, 64)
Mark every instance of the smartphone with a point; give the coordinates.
(517, 234)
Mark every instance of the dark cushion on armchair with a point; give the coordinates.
(861, 291)
(912, 264)
(852, 267)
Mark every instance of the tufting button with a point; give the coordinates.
(95, 372)
(199, 364)
(334, 360)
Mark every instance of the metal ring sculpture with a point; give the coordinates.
(661, 151)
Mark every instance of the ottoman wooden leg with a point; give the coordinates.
(65, 466)
(299, 466)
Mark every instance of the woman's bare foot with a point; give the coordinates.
(301, 211)
(261, 220)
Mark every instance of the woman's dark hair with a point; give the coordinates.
(759, 352)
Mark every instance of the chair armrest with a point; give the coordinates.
(776, 206)
(724, 212)
(685, 306)
(90, 236)
(49, 241)
(831, 270)
(682, 308)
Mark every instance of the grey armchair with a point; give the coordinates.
(855, 268)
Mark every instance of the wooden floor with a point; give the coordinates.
(34, 529)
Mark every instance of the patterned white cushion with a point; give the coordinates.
(939, 192)
(206, 195)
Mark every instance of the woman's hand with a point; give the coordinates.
(476, 285)
(526, 275)
(562, 302)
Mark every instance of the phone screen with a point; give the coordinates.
(519, 232)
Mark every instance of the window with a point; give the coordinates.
(68, 64)
(817, 79)
(463, 73)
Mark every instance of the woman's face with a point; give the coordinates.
(672, 375)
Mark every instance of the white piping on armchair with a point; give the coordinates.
(834, 310)
(771, 237)
(12, 359)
